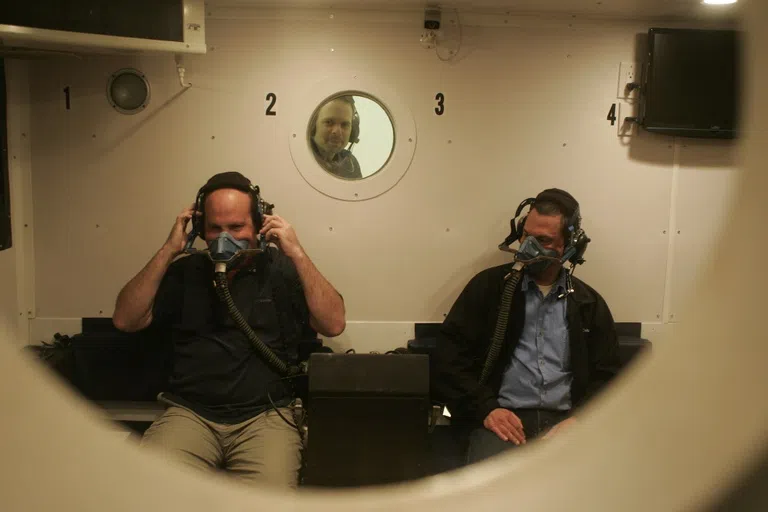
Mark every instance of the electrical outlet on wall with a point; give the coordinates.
(627, 75)
(627, 128)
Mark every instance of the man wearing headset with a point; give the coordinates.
(220, 402)
(559, 348)
(335, 126)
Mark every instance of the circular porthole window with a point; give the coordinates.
(128, 91)
(350, 138)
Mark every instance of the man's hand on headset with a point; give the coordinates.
(278, 230)
(177, 239)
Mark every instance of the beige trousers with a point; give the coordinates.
(263, 449)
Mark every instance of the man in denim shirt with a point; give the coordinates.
(560, 345)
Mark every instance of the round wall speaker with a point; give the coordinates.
(128, 91)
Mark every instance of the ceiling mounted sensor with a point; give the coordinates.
(128, 91)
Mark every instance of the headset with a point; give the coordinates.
(576, 240)
(233, 180)
(354, 134)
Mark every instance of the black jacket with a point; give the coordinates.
(465, 337)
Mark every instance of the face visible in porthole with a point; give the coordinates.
(333, 127)
(335, 130)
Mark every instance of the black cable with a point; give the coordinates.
(279, 413)
(222, 289)
(501, 324)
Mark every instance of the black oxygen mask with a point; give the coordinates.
(225, 247)
(536, 258)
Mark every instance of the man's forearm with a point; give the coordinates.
(326, 307)
(133, 310)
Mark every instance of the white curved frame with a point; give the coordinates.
(656, 440)
(352, 190)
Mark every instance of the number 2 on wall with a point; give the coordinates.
(272, 97)
(440, 108)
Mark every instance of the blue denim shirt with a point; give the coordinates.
(539, 376)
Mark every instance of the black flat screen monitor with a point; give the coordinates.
(691, 84)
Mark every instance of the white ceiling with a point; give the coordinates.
(632, 9)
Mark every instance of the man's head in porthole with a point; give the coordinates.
(334, 130)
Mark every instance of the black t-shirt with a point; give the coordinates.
(216, 370)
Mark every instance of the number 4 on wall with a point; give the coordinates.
(612, 114)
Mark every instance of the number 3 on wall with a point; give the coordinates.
(440, 108)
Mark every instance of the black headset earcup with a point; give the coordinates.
(198, 222)
(354, 135)
(520, 227)
(579, 244)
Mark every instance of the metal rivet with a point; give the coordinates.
(97, 225)
(330, 228)
(213, 137)
(565, 144)
(664, 232)
(93, 136)
(450, 141)
(294, 135)
(410, 139)
(447, 230)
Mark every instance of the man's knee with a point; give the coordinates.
(179, 434)
(483, 444)
(268, 451)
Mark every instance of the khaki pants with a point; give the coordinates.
(263, 449)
